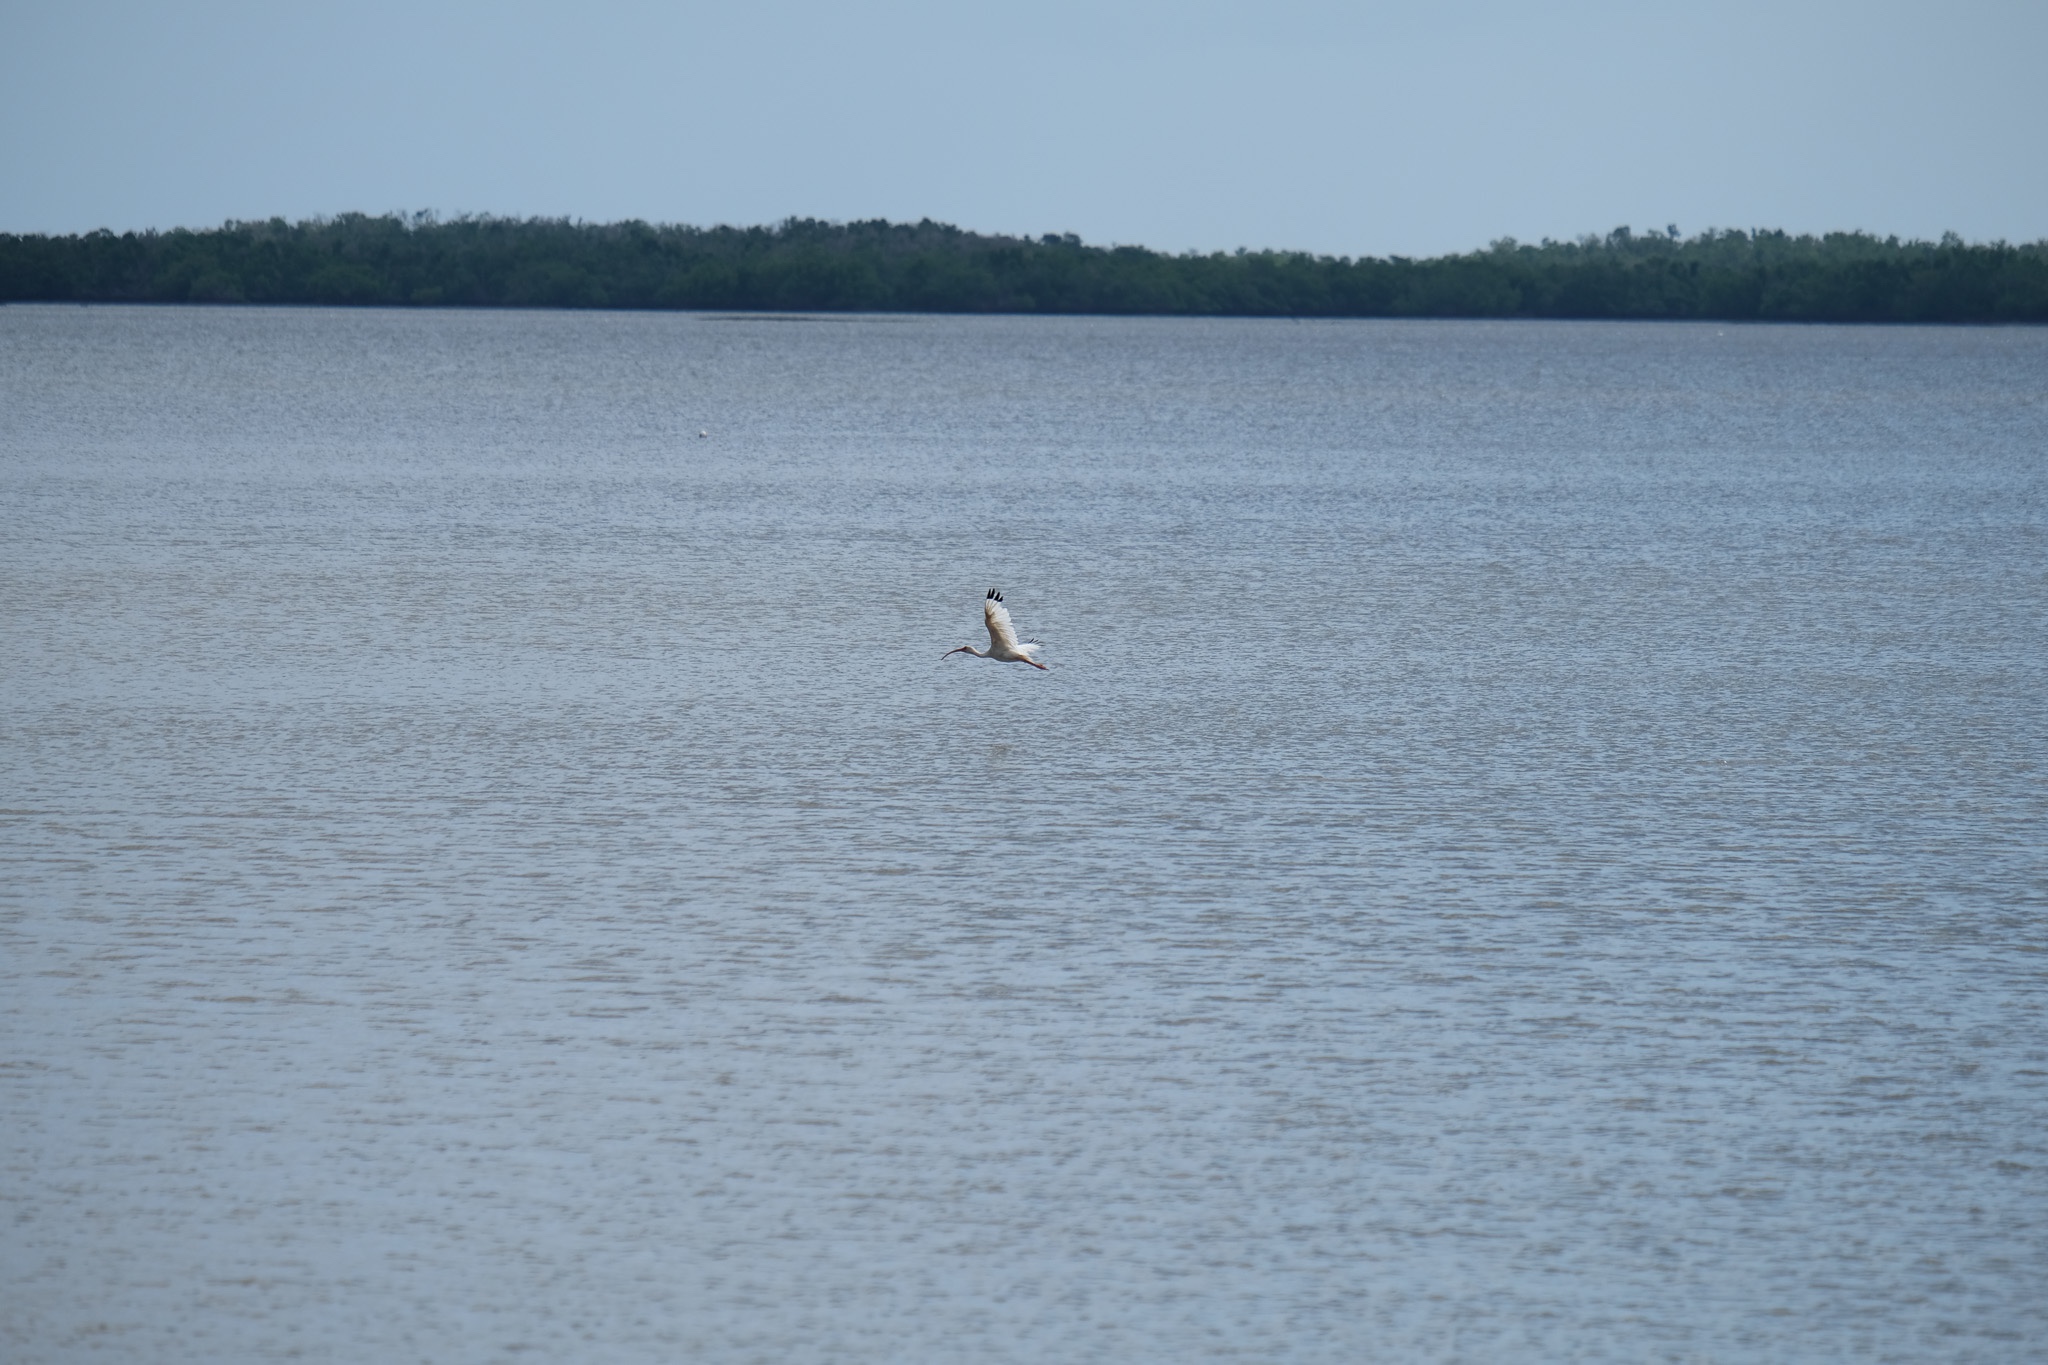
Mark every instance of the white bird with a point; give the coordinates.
(1002, 637)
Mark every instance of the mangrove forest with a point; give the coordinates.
(805, 265)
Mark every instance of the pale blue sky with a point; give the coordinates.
(1367, 128)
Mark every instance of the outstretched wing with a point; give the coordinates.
(1002, 636)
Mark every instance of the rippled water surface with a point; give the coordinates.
(1534, 846)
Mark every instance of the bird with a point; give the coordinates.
(1002, 637)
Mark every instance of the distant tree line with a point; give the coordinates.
(807, 265)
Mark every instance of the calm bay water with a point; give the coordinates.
(1534, 847)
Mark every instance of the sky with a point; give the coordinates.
(1349, 129)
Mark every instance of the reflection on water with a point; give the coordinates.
(1532, 847)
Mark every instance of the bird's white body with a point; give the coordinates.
(1003, 644)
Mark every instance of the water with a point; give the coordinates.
(1534, 846)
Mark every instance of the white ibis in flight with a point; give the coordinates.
(1002, 637)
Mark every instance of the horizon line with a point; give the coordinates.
(415, 219)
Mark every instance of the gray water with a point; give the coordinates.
(1533, 848)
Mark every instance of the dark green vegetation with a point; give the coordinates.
(930, 267)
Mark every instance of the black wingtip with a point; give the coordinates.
(994, 596)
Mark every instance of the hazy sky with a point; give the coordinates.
(1364, 128)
